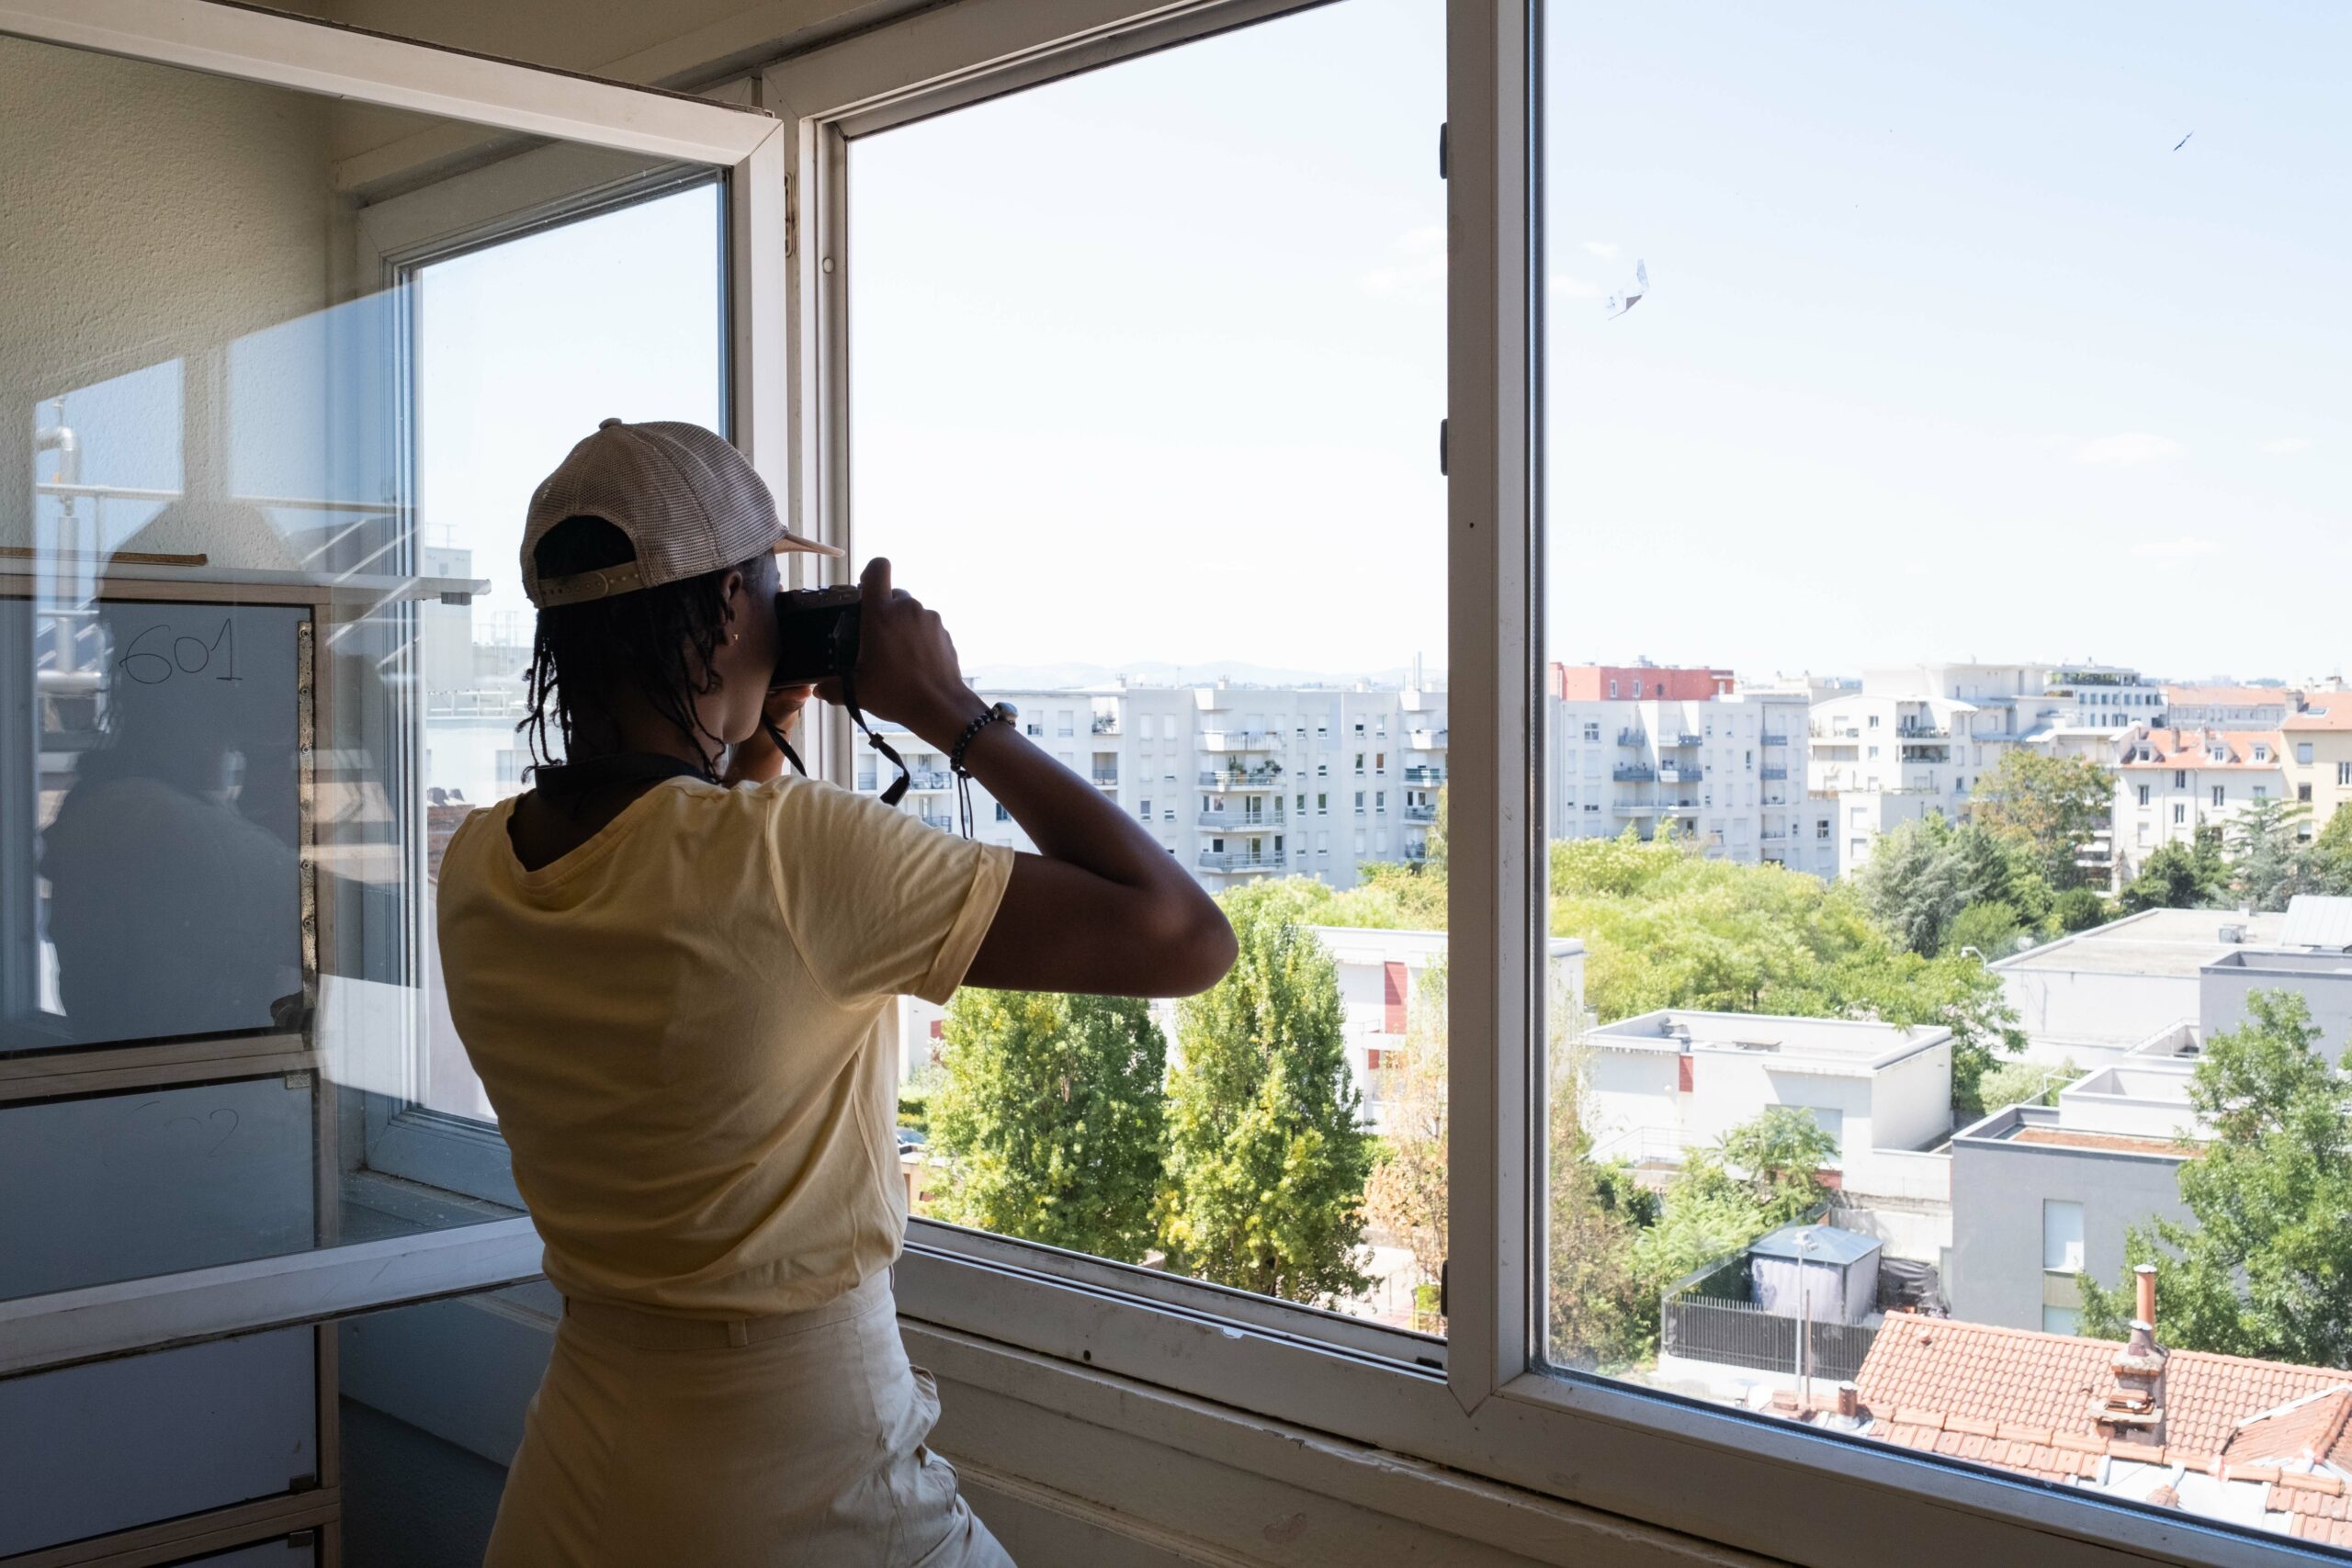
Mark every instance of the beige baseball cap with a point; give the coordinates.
(687, 500)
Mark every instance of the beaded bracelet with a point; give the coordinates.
(996, 713)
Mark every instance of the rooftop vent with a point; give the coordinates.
(2232, 933)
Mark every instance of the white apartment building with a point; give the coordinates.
(1237, 781)
(2227, 707)
(1726, 772)
(2170, 782)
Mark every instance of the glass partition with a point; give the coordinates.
(268, 432)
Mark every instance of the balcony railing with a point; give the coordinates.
(1634, 772)
(1679, 772)
(1242, 778)
(1686, 741)
(930, 782)
(1240, 740)
(1773, 773)
(1426, 739)
(1420, 814)
(1771, 740)
(1229, 823)
(939, 820)
(1240, 862)
(1106, 724)
(1923, 731)
(1633, 738)
(1420, 775)
(1108, 779)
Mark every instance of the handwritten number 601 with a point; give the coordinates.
(190, 656)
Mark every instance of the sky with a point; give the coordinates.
(1948, 352)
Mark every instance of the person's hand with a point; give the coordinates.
(907, 670)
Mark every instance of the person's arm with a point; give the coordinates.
(1103, 909)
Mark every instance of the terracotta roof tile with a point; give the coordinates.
(2310, 1430)
(2327, 713)
(2193, 749)
(2242, 697)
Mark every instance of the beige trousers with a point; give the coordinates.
(763, 1443)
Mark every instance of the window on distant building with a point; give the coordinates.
(2303, 753)
(2304, 793)
(1004, 813)
(1856, 847)
(1144, 809)
(1592, 731)
(2344, 775)
(2181, 778)
(1873, 721)
(2219, 793)
(1612, 689)
(2143, 794)
(1380, 761)
(1637, 691)
(2179, 813)
(1359, 764)
(1821, 828)
(1359, 803)
(1322, 806)
(2262, 792)
(1380, 800)
(2262, 753)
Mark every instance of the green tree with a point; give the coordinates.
(2179, 876)
(2266, 1269)
(2046, 806)
(1923, 876)
(1049, 1118)
(1405, 1193)
(1267, 1158)
(2328, 867)
(1600, 1314)
(2266, 862)
(1780, 1154)
(1990, 929)
(2078, 909)
(2025, 1083)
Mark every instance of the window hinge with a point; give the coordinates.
(1441, 448)
(1444, 1272)
(1442, 170)
(791, 214)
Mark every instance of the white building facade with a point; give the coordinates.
(1237, 781)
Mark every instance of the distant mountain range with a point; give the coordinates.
(1074, 676)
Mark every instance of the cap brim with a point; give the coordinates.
(793, 544)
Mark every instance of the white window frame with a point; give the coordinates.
(1482, 1402)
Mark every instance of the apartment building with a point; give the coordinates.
(1238, 782)
(1722, 768)
(1913, 740)
(2227, 707)
(2318, 756)
(2171, 782)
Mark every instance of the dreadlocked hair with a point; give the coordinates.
(658, 643)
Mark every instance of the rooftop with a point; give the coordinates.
(2242, 697)
(2165, 942)
(2263, 1441)
(2044, 1125)
(1816, 1044)
(2328, 713)
(2205, 748)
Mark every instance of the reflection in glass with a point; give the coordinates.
(265, 443)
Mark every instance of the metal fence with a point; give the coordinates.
(1736, 1334)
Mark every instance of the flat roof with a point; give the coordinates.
(1831, 1044)
(2169, 943)
(2038, 1126)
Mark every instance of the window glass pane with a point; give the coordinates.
(1868, 332)
(226, 552)
(1161, 446)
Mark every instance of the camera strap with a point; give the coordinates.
(898, 787)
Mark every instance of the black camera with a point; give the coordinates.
(816, 633)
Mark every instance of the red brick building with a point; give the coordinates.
(1637, 682)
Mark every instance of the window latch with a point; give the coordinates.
(1445, 1278)
(1442, 171)
(1441, 448)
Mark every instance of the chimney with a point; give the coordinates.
(1850, 1400)
(2134, 1409)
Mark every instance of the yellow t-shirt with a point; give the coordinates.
(684, 1027)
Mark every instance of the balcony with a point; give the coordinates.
(1773, 773)
(1923, 731)
(1634, 772)
(1267, 777)
(1685, 741)
(1239, 740)
(938, 819)
(925, 782)
(1106, 724)
(1420, 814)
(1770, 738)
(1426, 739)
(1240, 862)
(1420, 773)
(1770, 838)
(1644, 807)
(1679, 772)
(1633, 738)
(1108, 779)
(1234, 822)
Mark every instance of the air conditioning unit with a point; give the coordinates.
(2233, 933)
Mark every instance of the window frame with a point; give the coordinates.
(1481, 1401)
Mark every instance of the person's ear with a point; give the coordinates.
(732, 589)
